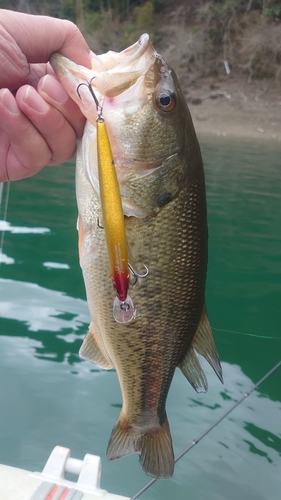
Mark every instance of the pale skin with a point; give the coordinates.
(39, 123)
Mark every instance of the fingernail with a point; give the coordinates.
(35, 101)
(54, 89)
(9, 102)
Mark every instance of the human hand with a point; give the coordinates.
(39, 123)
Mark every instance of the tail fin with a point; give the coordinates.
(157, 455)
(155, 449)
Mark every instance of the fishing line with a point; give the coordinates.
(4, 198)
(245, 334)
(209, 429)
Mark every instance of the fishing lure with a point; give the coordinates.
(113, 221)
(114, 226)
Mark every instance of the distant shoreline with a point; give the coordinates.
(235, 108)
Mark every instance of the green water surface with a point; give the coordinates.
(48, 396)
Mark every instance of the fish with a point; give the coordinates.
(160, 174)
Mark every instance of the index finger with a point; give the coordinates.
(39, 36)
(26, 40)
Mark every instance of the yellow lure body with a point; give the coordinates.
(114, 226)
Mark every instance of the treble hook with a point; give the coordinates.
(136, 274)
(99, 107)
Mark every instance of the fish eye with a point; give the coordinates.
(166, 101)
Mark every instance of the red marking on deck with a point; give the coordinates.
(65, 493)
(52, 492)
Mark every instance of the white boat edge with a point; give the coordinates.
(51, 484)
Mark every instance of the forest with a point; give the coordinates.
(197, 37)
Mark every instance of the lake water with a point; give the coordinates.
(48, 396)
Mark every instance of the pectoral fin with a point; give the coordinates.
(203, 343)
(91, 351)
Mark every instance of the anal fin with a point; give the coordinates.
(203, 344)
(91, 351)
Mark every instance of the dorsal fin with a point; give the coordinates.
(203, 343)
(193, 371)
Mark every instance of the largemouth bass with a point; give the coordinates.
(161, 179)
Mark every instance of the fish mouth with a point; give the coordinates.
(131, 63)
(111, 74)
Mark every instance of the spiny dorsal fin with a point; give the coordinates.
(91, 351)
